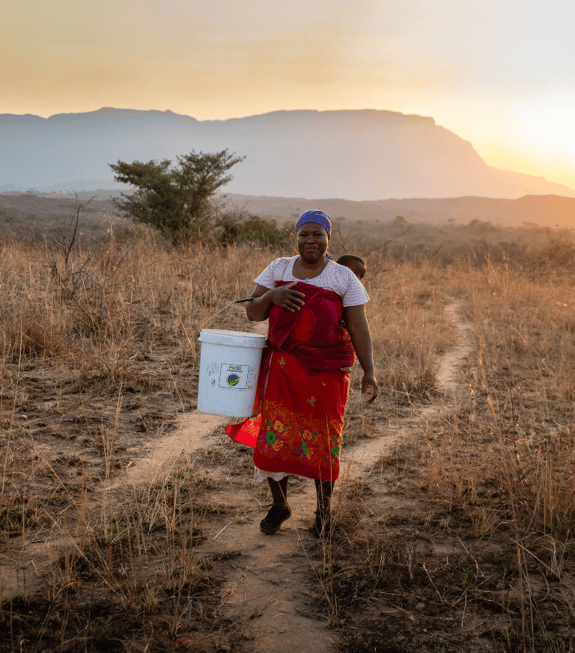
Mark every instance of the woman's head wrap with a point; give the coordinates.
(315, 217)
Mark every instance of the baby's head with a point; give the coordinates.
(354, 263)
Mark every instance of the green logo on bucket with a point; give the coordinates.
(232, 380)
(236, 377)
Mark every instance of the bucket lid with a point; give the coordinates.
(232, 338)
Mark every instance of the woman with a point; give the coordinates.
(304, 378)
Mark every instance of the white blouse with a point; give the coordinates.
(334, 277)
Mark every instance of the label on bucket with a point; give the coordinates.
(237, 377)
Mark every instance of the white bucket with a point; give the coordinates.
(229, 366)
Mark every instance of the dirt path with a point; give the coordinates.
(265, 589)
(273, 585)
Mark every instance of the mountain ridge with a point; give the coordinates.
(363, 154)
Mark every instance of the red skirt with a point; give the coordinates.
(298, 427)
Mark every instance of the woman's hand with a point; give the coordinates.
(369, 382)
(264, 298)
(361, 338)
(287, 298)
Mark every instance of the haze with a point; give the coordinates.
(499, 73)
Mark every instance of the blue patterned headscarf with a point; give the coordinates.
(315, 217)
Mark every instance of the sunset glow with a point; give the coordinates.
(498, 74)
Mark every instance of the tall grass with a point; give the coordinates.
(519, 411)
(497, 465)
(496, 468)
(81, 359)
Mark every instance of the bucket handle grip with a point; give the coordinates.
(237, 301)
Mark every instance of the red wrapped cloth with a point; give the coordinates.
(302, 394)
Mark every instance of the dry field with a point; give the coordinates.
(459, 539)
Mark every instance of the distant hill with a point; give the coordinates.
(354, 155)
(27, 215)
(542, 210)
(449, 228)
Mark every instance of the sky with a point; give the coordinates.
(498, 73)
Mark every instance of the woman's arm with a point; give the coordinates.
(264, 298)
(358, 328)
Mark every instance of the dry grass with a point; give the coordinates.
(129, 578)
(93, 366)
(480, 552)
(517, 415)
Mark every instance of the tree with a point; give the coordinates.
(177, 199)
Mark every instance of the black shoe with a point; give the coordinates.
(272, 522)
(323, 524)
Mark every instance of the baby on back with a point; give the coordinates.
(358, 267)
(354, 263)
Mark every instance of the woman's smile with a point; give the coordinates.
(312, 240)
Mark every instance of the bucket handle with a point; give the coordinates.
(237, 301)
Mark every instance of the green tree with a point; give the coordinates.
(178, 199)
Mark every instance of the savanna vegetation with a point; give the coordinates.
(460, 540)
(176, 199)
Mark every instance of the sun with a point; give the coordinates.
(545, 122)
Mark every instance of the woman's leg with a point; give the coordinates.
(280, 511)
(323, 524)
(323, 490)
(279, 491)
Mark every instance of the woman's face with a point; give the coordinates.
(312, 242)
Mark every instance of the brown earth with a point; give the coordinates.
(129, 522)
(265, 593)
